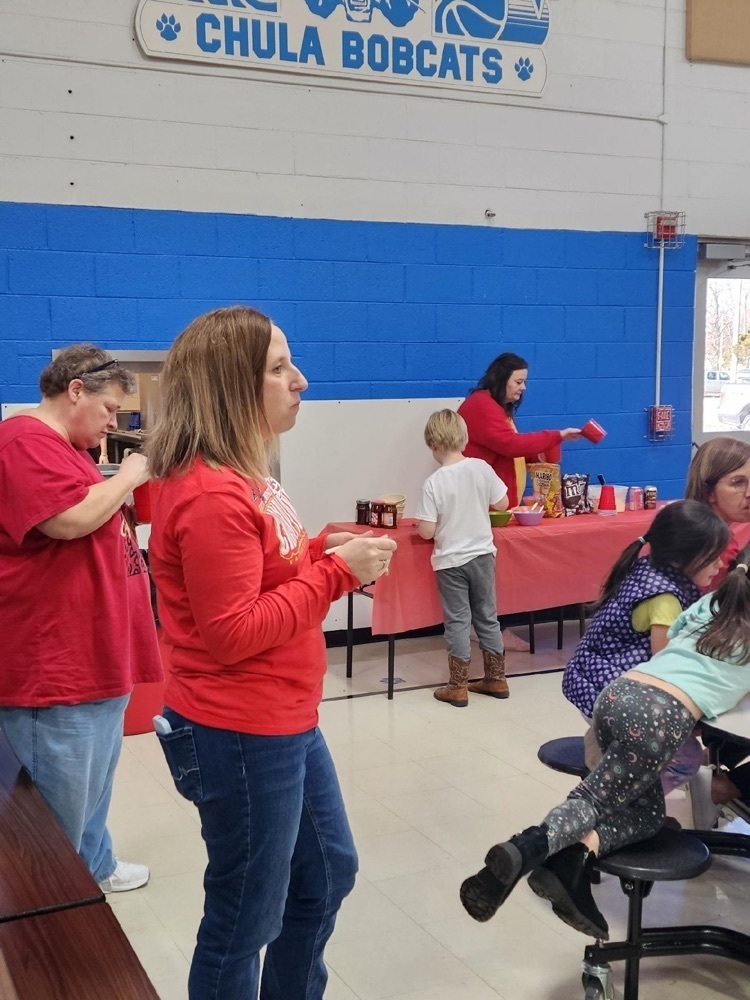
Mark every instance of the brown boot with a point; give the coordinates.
(494, 683)
(455, 692)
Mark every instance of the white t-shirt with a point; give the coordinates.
(457, 497)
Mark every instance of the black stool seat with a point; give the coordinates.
(565, 754)
(668, 857)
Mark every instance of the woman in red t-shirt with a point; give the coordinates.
(489, 412)
(242, 593)
(75, 608)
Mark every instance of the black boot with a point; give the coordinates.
(564, 879)
(506, 864)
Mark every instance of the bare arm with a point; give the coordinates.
(658, 638)
(99, 504)
(426, 529)
(501, 504)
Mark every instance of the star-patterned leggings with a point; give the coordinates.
(639, 728)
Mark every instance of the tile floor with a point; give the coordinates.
(428, 788)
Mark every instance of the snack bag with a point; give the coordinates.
(545, 485)
(575, 493)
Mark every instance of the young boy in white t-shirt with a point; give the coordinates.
(453, 510)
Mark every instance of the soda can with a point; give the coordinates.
(635, 498)
(649, 498)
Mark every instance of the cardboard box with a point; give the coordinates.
(718, 31)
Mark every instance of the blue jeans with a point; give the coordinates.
(71, 752)
(281, 858)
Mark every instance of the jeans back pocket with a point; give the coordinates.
(179, 749)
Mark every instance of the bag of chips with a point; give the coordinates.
(545, 485)
(575, 493)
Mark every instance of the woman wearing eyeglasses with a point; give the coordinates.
(75, 610)
(719, 476)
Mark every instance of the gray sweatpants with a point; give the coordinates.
(467, 594)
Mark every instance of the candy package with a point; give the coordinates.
(575, 493)
(545, 485)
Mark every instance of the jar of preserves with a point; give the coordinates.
(363, 511)
(650, 494)
(389, 516)
(376, 514)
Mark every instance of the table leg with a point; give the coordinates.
(532, 645)
(391, 664)
(560, 619)
(581, 619)
(349, 632)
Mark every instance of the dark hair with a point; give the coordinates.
(495, 379)
(87, 363)
(728, 634)
(686, 534)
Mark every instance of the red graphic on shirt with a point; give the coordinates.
(289, 531)
(133, 558)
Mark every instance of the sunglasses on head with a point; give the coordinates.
(102, 367)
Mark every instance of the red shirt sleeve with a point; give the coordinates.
(318, 546)
(40, 477)
(489, 427)
(223, 556)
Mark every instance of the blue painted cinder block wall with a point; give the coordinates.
(373, 310)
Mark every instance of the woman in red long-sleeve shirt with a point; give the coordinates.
(489, 412)
(242, 594)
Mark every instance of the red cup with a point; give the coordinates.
(142, 501)
(593, 431)
(607, 499)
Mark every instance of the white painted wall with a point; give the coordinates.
(592, 153)
(343, 450)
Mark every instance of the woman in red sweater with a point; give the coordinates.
(242, 593)
(489, 412)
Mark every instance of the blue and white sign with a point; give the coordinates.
(486, 45)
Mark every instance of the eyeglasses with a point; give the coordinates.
(738, 484)
(102, 367)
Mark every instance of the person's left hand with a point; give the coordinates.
(340, 537)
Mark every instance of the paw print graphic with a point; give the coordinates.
(168, 27)
(524, 68)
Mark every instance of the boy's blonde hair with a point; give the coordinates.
(446, 431)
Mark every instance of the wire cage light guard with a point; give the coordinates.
(665, 229)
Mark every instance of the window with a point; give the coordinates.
(721, 381)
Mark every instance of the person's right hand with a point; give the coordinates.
(367, 558)
(135, 469)
(570, 433)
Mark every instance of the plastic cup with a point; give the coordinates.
(607, 499)
(593, 431)
(142, 501)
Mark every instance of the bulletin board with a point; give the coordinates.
(718, 31)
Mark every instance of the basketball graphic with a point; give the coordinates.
(472, 18)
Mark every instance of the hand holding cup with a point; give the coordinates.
(367, 558)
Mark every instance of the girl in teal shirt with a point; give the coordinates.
(640, 721)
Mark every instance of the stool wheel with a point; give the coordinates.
(597, 982)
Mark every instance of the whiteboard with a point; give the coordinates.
(8, 409)
(341, 451)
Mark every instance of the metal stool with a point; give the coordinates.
(565, 754)
(670, 856)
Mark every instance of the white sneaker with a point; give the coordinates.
(126, 876)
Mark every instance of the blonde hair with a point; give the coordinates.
(446, 431)
(212, 396)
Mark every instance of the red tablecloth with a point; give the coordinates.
(560, 561)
